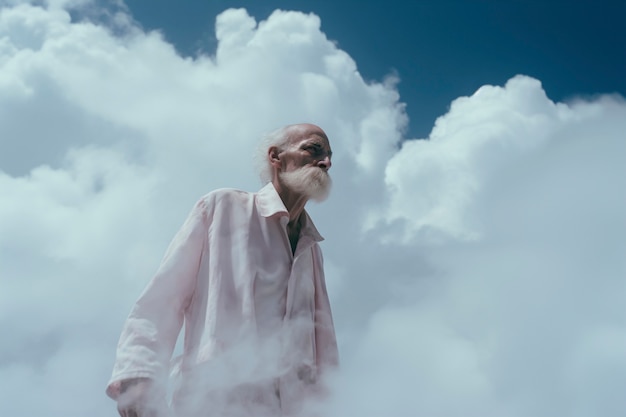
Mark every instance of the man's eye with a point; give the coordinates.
(312, 149)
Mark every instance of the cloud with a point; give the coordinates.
(478, 272)
(514, 205)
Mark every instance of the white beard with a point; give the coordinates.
(313, 182)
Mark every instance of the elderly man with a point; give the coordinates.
(244, 275)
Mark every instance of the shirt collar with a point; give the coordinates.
(269, 204)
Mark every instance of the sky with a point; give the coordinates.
(477, 272)
(440, 50)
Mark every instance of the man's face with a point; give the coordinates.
(306, 161)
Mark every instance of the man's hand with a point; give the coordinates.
(139, 399)
(306, 374)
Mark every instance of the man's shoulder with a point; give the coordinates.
(228, 193)
(226, 196)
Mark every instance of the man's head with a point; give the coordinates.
(298, 158)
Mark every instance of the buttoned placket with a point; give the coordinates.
(304, 243)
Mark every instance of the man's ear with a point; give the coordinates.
(273, 153)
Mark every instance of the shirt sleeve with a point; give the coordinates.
(152, 328)
(326, 351)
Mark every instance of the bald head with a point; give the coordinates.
(298, 131)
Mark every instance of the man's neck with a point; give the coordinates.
(294, 202)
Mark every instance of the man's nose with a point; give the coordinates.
(324, 163)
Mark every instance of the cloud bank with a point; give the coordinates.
(480, 272)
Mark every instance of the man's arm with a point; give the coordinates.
(327, 354)
(151, 330)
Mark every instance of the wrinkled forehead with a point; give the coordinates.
(302, 132)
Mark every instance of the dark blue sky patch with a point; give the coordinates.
(440, 50)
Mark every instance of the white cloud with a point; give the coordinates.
(480, 272)
(514, 205)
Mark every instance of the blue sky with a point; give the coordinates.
(440, 49)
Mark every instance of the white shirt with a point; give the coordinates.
(224, 276)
